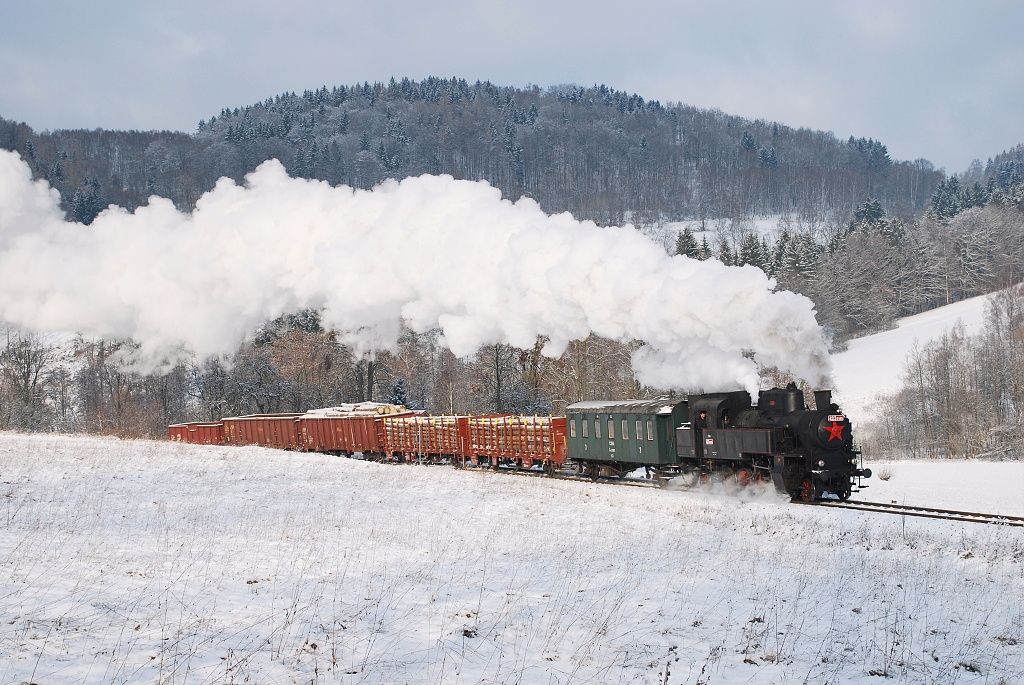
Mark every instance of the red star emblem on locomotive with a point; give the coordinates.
(835, 431)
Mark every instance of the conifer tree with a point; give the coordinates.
(750, 251)
(725, 252)
(705, 252)
(686, 244)
(397, 393)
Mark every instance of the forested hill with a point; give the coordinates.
(600, 153)
(1005, 169)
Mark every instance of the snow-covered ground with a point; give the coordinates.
(144, 562)
(666, 232)
(993, 487)
(768, 226)
(873, 365)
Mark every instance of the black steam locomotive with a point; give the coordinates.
(804, 452)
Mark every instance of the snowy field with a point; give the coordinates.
(991, 487)
(873, 365)
(665, 233)
(140, 562)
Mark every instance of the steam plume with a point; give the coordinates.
(430, 251)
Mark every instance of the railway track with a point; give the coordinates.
(855, 505)
(925, 512)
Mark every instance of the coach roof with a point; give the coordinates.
(657, 405)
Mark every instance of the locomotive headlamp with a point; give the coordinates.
(821, 463)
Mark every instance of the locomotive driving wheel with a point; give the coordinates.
(807, 491)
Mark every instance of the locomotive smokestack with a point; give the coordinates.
(822, 399)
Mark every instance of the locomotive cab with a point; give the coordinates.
(709, 415)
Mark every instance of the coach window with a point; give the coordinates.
(625, 429)
(585, 425)
(597, 426)
(572, 428)
(639, 430)
(650, 429)
(611, 429)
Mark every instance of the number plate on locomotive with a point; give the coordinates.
(838, 418)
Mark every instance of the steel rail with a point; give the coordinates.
(924, 512)
(917, 511)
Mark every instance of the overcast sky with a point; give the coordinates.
(934, 79)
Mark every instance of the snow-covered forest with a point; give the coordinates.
(597, 152)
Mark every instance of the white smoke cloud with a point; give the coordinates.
(430, 251)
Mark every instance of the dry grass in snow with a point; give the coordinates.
(138, 562)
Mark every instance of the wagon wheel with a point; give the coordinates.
(843, 495)
(662, 478)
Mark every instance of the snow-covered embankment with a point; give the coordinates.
(146, 561)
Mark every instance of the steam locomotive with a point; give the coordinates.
(804, 452)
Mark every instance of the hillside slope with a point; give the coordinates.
(148, 561)
(873, 365)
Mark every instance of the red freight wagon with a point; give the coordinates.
(520, 440)
(346, 434)
(343, 434)
(425, 436)
(269, 430)
(348, 428)
(178, 432)
(197, 433)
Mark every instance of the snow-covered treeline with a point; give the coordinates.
(292, 364)
(864, 274)
(599, 153)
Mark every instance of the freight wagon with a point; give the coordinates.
(197, 433)
(267, 430)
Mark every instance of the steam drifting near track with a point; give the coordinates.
(430, 251)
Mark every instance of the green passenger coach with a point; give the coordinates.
(619, 436)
